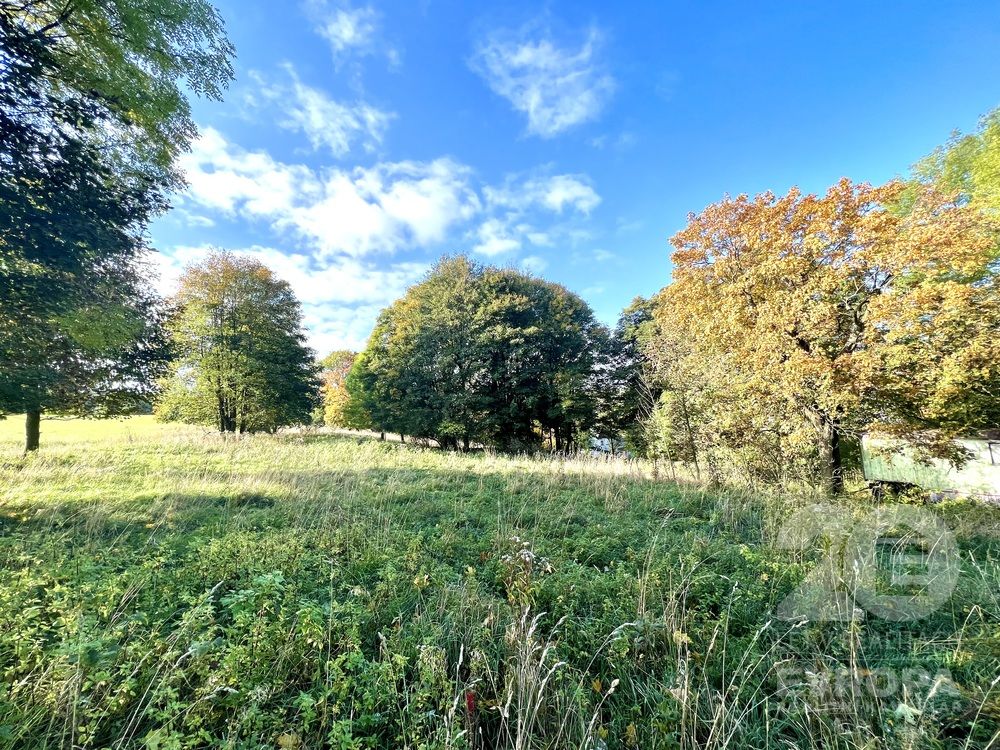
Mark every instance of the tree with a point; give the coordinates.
(475, 354)
(242, 364)
(625, 390)
(967, 166)
(137, 58)
(840, 311)
(80, 331)
(335, 368)
(91, 118)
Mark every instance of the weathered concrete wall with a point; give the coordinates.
(980, 476)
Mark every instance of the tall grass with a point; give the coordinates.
(164, 587)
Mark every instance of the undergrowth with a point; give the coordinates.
(165, 588)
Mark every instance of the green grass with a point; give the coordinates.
(163, 587)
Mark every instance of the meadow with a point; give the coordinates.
(165, 587)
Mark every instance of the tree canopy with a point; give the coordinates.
(335, 368)
(92, 117)
(137, 58)
(967, 166)
(241, 360)
(827, 315)
(485, 355)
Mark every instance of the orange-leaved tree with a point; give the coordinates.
(844, 309)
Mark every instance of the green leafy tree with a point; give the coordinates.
(626, 392)
(92, 117)
(80, 330)
(138, 58)
(242, 364)
(967, 165)
(484, 355)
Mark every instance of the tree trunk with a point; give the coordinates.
(832, 455)
(465, 443)
(223, 423)
(381, 435)
(32, 430)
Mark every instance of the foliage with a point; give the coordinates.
(829, 315)
(968, 165)
(335, 368)
(138, 58)
(80, 330)
(242, 364)
(164, 587)
(91, 120)
(624, 397)
(481, 355)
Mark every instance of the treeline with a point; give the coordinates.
(470, 356)
(792, 324)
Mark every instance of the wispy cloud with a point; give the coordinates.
(326, 123)
(350, 31)
(534, 264)
(345, 28)
(556, 87)
(388, 206)
(521, 204)
(495, 237)
(556, 193)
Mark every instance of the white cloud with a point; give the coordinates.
(520, 202)
(555, 87)
(566, 190)
(555, 193)
(200, 221)
(324, 121)
(381, 208)
(340, 327)
(622, 142)
(534, 264)
(494, 238)
(340, 217)
(350, 31)
(601, 255)
(226, 178)
(341, 297)
(386, 207)
(346, 29)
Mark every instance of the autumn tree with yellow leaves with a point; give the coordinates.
(830, 315)
(335, 368)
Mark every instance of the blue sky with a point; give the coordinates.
(360, 142)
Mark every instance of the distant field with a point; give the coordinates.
(60, 431)
(163, 587)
